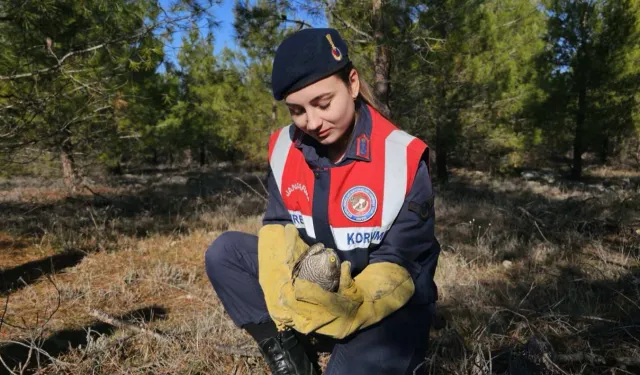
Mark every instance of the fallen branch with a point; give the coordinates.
(252, 189)
(84, 185)
(105, 318)
(545, 238)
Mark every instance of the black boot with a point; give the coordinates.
(286, 355)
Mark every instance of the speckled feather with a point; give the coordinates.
(319, 265)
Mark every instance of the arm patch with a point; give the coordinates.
(423, 210)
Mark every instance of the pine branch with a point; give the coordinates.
(352, 26)
(61, 61)
(299, 22)
(348, 24)
(57, 66)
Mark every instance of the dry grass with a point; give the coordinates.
(525, 259)
(609, 172)
(521, 259)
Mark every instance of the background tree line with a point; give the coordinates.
(498, 84)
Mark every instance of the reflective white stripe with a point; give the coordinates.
(303, 222)
(278, 160)
(280, 154)
(395, 174)
(355, 237)
(308, 226)
(297, 219)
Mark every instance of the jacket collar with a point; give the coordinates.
(358, 148)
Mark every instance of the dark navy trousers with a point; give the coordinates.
(397, 345)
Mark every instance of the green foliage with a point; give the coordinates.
(592, 75)
(224, 106)
(496, 84)
(467, 76)
(69, 68)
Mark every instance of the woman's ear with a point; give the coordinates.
(354, 83)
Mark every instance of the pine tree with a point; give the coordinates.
(64, 68)
(593, 80)
(466, 73)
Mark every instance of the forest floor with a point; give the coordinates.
(536, 273)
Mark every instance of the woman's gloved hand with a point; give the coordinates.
(379, 290)
(278, 248)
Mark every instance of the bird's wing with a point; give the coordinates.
(296, 266)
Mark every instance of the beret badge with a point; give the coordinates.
(335, 52)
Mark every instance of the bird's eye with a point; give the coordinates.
(332, 259)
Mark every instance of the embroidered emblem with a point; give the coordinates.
(359, 204)
(335, 52)
(362, 146)
(423, 210)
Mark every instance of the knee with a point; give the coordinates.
(220, 252)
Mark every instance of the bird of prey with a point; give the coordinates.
(320, 265)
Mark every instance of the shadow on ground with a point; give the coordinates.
(584, 326)
(507, 221)
(63, 341)
(15, 278)
(136, 205)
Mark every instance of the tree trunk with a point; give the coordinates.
(203, 154)
(581, 84)
(443, 120)
(576, 171)
(70, 175)
(441, 153)
(117, 169)
(604, 152)
(188, 159)
(274, 112)
(381, 59)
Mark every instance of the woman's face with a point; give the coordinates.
(325, 109)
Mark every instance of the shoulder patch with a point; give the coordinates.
(362, 146)
(422, 209)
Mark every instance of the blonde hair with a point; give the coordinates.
(366, 93)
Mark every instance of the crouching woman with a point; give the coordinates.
(343, 175)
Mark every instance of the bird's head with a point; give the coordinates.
(325, 256)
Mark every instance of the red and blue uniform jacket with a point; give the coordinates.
(375, 205)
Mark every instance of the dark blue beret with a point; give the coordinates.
(305, 57)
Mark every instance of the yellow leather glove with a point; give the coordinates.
(278, 248)
(379, 290)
